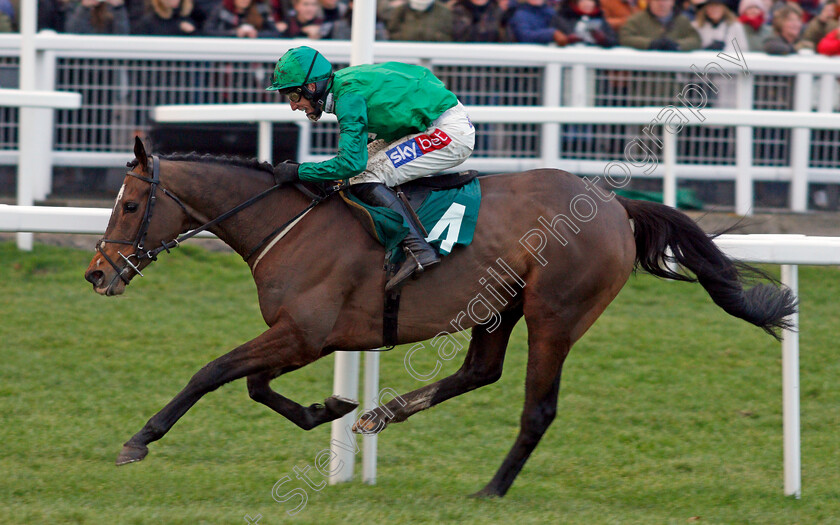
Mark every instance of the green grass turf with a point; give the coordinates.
(669, 410)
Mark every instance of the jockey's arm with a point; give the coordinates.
(352, 157)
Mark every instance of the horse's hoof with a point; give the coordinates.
(340, 405)
(486, 493)
(131, 454)
(369, 423)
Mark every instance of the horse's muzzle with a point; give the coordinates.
(95, 277)
(104, 279)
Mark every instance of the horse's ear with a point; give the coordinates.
(140, 154)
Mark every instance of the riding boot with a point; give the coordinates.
(419, 254)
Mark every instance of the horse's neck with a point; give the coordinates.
(209, 190)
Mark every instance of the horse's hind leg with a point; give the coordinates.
(482, 366)
(306, 418)
(548, 348)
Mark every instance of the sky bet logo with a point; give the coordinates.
(416, 147)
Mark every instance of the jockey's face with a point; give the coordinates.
(302, 105)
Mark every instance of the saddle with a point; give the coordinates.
(415, 192)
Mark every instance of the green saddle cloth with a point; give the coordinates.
(448, 215)
(686, 199)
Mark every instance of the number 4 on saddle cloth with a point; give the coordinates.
(447, 206)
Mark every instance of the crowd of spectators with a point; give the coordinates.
(774, 26)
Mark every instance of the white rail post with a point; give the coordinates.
(27, 126)
(743, 150)
(800, 145)
(552, 91)
(346, 381)
(264, 140)
(371, 402)
(669, 180)
(346, 384)
(790, 392)
(578, 86)
(828, 83)
(45, 79)
(304, 139)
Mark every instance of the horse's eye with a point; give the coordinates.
(130, 207)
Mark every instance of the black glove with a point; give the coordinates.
(663, 44)
(716, 45)
(286, 172)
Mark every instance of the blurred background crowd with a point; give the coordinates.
(772, 26)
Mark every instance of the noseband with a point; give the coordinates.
(139, 251)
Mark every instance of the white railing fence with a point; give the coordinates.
(789, 251)
(624, 168)
(122, 78)
(36, 110)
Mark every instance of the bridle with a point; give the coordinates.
(139, 250)
(137, 244)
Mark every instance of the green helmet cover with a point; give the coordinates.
(300, 66)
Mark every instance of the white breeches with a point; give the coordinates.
(447, 142)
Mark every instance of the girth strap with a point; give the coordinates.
(390, 319)
(281, 232)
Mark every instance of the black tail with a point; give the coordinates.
(660, 229)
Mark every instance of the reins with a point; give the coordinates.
(154, 181)
(192, 233)
(284, 226)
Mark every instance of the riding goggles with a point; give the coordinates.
(295, 94)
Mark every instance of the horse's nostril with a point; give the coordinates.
(94, 277)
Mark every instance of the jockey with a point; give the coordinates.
(418, 129)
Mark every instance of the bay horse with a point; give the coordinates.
(557, 249)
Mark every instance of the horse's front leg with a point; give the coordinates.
(306, 418)
(280, 347)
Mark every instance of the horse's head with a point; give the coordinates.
(142, 219)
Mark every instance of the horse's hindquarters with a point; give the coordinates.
(540, 234)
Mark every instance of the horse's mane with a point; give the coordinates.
(241, 162)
